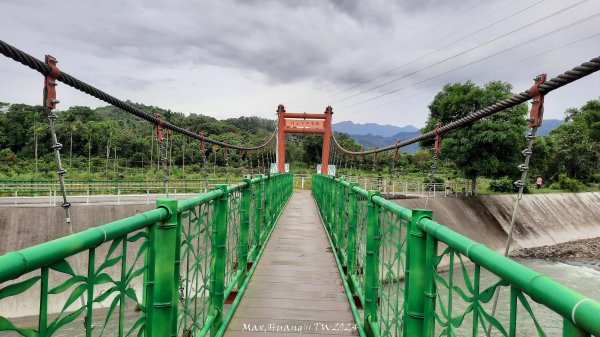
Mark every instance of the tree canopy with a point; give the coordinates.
(490, 147)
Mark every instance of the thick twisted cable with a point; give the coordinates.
(41, 67)
(569, 76)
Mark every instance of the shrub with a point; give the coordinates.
(570, 184)
(505, 185)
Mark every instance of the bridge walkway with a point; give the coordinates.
(296, 284)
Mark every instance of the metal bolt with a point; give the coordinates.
(55, 101)
(526, 152)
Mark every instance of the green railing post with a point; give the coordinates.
(415, 276)
(335, 216)
(268, 201)
(341, 205)
(148, 293)
(571, 330)
(332, 196)
(372, 265)
(244, 229)
(430, 289)
(352, 220)
(164, 269)
(219, 256)
(177, 274)
(258, 210)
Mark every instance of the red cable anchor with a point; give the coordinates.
(202, 148)
(537, 105)
(159, 133)
(396, 151)
(437, 146)
(50, 100)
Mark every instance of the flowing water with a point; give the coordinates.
(582, 276)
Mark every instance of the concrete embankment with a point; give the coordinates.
(22, 227)
(543, 219)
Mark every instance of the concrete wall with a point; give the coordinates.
(543, 219)
(22, 227)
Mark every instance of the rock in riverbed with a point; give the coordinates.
(580, 249)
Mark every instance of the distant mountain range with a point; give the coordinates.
(371, 128)
(549, 125)
(372, 134)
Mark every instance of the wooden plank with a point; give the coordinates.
(296, 284)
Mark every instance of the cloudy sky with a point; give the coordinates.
(373, 61)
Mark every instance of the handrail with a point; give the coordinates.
(16, 263)
(191, 255)
(542, 289)
(400, 244)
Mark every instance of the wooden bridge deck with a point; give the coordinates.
(296, 284)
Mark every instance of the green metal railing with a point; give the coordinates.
(409, 287)
(101, 187)
(165, 272)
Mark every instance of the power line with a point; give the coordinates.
(41, 67)
(421, 57)
(462, 52)
(478, 60)
(479, 74)
(406, 43)
(569, 76)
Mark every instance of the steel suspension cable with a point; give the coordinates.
(561, 80)
(403, 45)
(465, 51)
(520, 44)
(475, 75)
(39, 66)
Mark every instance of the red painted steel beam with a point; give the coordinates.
(326, 141)
(281, 138)
(304, 115)
(304, 130)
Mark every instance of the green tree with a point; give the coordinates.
(490, 147)
(576, 144)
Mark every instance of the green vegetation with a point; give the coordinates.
(567, 159)
(108, 144)
(490, 147)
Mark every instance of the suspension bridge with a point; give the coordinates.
(258, 258)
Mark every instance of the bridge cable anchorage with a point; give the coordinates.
(45, 69)
(437, 149)
(204, 164)
(392, 171)
(161, 150)
(570, 76)
(227, 171)
(535, 121)
(49, 103)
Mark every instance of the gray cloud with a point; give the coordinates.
(313, 48)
